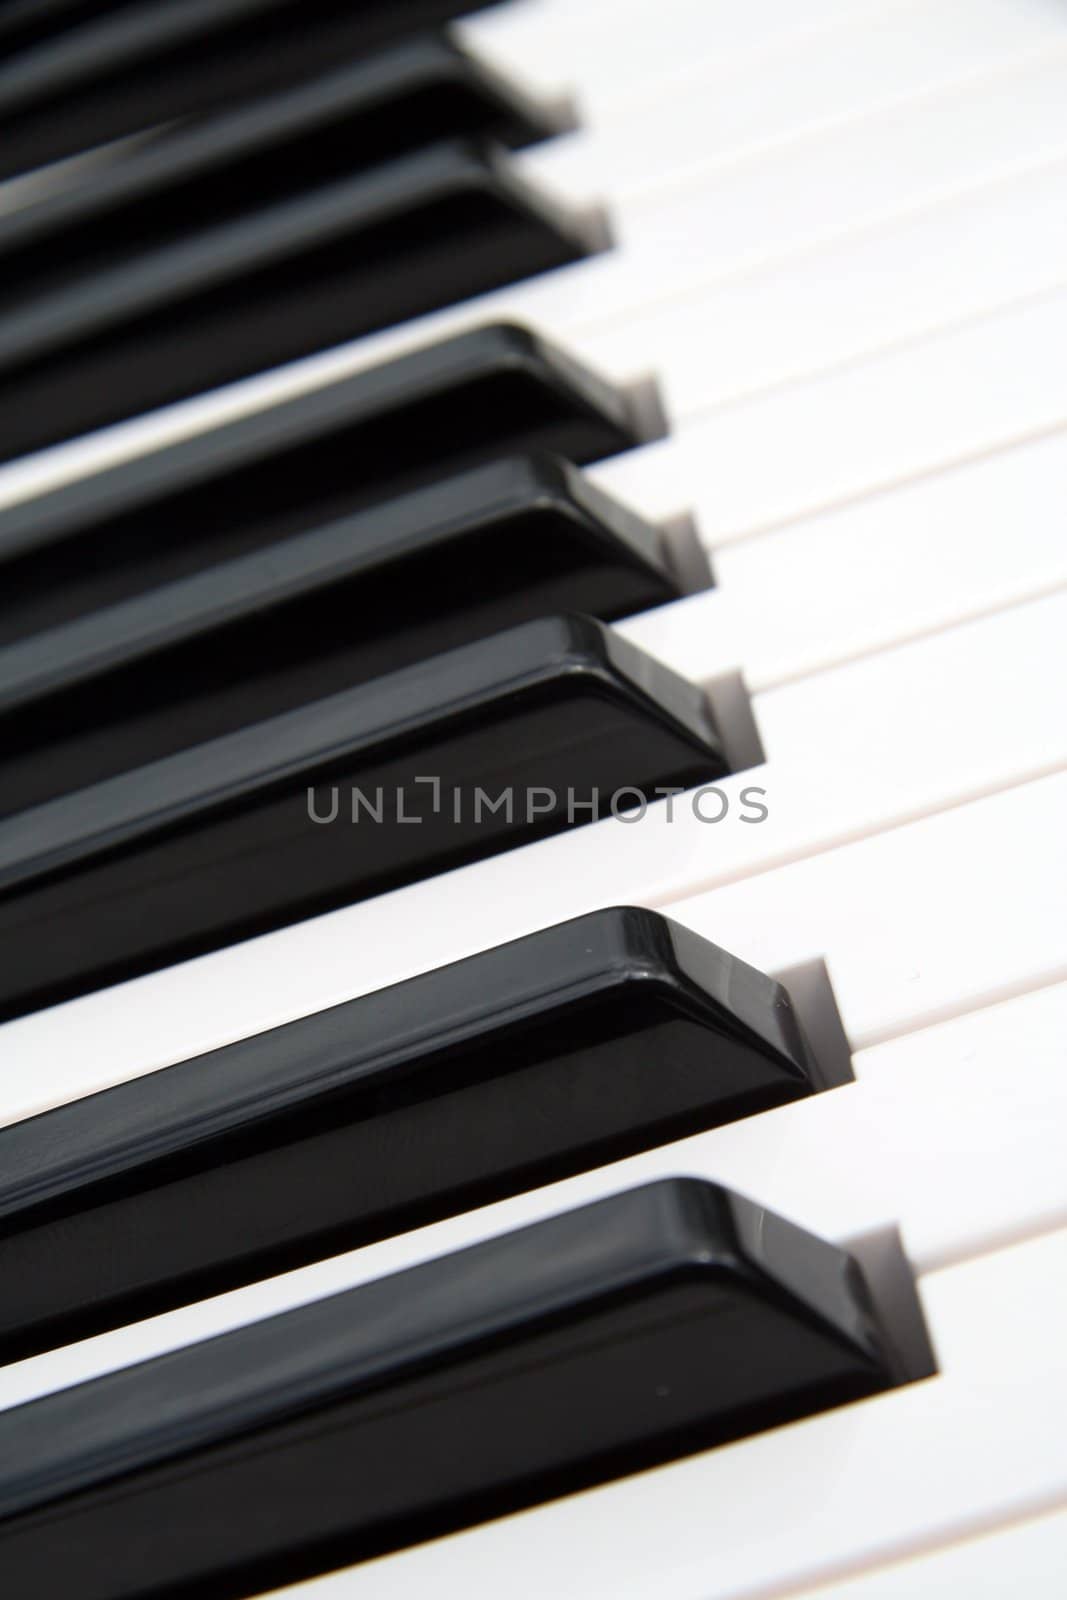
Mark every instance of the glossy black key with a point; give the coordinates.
(296, 466)
(659, 1322)
(31, 22)
(79, 73)
(78, 353)
(315, 614)
(492, 745)
(563, 1050)
(419, 93)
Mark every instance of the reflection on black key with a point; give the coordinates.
(487, 747)
(80, 352)
(563, 1050)
(465, 400)
(416, 94)
(315, 614)
(659, 1322)
(31, 22)
(79, 73)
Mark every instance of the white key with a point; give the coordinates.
(825, 186)
(917, 1142)
(893, 737)
(814, 80)
(913, 411)
(918, 924)
(1030, 1557)
(872, 574)
(979, 1446)
(711, 347)
(610, 51)
(931, 947)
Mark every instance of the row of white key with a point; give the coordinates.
(990, 247)
(858, 579)
(869, 62)
(824, 179)
(857, 431)
(611, 50)
(623, 57)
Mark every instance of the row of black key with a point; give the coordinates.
(390, 429)
(174, 780)
(83, 349)
(571, 1047)
(75, 74)
(180, 669)
(493, 745)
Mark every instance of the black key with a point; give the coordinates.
(315, 614)
(30, 22)
(79, 73)
(78, 353)
(659, 1322)
(313, 810)
(296, 466)
(419, 93)
(564, 1050)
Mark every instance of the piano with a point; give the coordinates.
(533, 623)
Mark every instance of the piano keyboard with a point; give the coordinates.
(531, 655)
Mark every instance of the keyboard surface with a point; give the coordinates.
(786, 286)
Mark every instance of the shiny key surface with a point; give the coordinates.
(406, 423)
(418, 93)
(560, 1051)
(661, 1321)
(507, 740)
(79, 351)
(83, 74)
(26, 22)
(313, 615)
